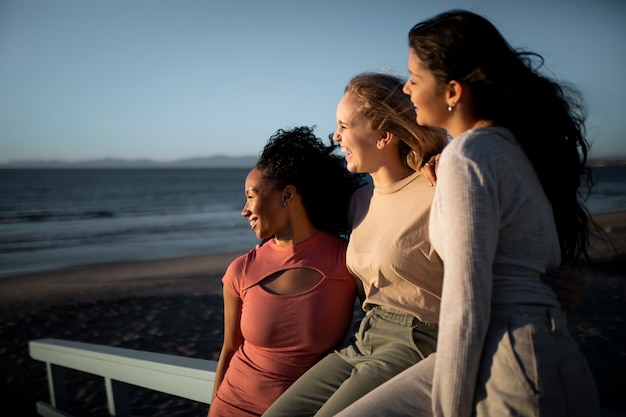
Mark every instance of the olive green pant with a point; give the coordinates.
(531, 366)
(388, 342)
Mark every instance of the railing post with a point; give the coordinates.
(117, 398)
(56, 385)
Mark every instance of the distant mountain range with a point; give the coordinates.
(605, 162)
(216, 161)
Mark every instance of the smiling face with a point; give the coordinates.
(427, 96)
(356, 137)
(263, 208)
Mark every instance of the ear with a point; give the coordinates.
(289, 192)
(384, 140)
(454, 92)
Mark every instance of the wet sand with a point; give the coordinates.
(174, 306)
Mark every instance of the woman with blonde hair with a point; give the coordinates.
(388, 250)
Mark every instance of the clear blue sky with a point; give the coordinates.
(188, 78)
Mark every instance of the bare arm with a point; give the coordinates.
(232, 336)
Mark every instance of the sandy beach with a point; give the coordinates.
(174, 306)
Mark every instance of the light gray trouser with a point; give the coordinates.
(531, 366)
(388, 341)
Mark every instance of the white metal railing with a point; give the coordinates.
(176, 375)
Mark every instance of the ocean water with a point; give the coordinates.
(58, 218)
(52, 219)
(608, 193)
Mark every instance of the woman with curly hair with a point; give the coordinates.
(290, 301)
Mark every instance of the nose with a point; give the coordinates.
(336, 136)
(245, 212)
(405, 89)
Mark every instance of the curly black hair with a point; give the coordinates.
(297, 157)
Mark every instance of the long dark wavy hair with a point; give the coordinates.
(297, 157)
(546, 117)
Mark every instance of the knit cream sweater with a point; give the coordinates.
(492, 225)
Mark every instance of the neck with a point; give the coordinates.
(291, 235)
(388, 175)
(482, 123)
(466, 125)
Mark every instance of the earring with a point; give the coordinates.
(450, 109)
(284, 204)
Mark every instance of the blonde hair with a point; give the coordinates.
(388, 109)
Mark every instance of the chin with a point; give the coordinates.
(351, 167)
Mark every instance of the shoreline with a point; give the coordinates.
(174, 306)
(190, 274)
(613, 223)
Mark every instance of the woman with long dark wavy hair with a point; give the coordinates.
(506, 209)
